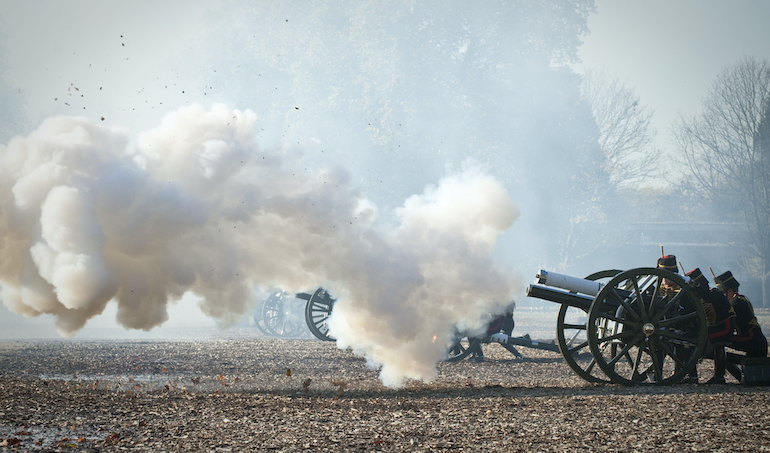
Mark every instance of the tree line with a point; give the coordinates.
(721, 156)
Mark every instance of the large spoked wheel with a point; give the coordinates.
(572, 340)
(462, 348)
(317, 310)
(653, 332)
(281, 315)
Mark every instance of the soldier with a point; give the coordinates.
(500, 324)
(749, 337)
(720, 315)
(668, 262)
(667, 290)
(720, 318)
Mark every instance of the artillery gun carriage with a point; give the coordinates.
(289, 315)
(640, 326)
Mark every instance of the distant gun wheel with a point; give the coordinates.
(646, 326)
(317, 311)
(279, 316)
(260, 323)
(462, 348)
(572, 340)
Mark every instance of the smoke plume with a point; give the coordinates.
(196, 205)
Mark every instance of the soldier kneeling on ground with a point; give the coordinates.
(720, 318)
(503, 323)
(748, 336)
(668, 290)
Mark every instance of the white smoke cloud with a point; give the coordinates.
(197, 206)
(433, 273)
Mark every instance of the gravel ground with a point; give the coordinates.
(235, 395)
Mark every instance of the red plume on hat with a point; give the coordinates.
(668, 262)
(697, 276)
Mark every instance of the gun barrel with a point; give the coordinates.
(560, 296)
(572, 284)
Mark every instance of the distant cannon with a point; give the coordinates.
(281, 316)
(641, 326)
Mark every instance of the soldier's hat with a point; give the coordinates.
(726, 281)
(668, 263)
(697, 277)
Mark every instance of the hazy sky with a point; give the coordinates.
(132, 62)
(671, 51)
(119, 53)
(116, 53)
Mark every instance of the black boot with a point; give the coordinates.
(719, 366)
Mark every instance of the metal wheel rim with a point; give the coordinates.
(259, 322)
(317, 310)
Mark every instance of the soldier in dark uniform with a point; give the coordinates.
(720, 318)
(749, 337)
(667, 290)
(503, 323)
(720, 315)
(668, 262)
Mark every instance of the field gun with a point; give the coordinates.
(281, 314)
(641, 326)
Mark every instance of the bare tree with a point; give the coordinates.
(727, 150)
(625, 132)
